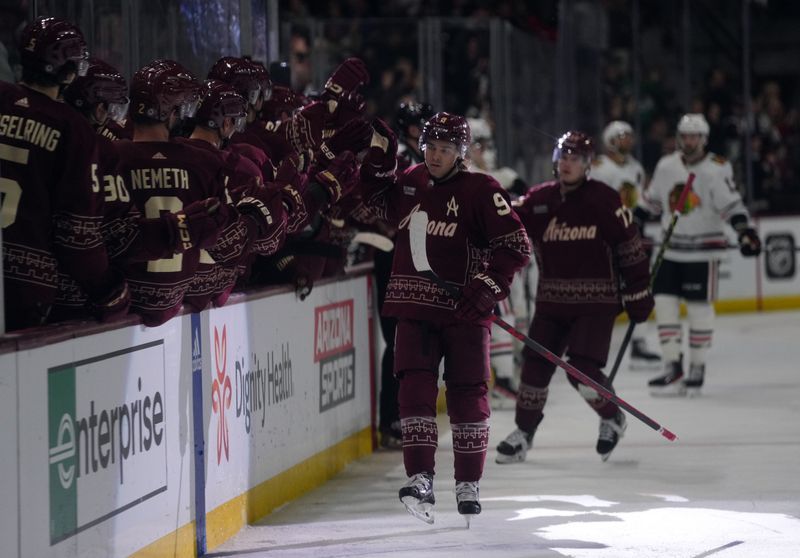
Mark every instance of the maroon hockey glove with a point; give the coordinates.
(381, 162)
(478, 298)
(638, 305)
(339, 178)
(749, 243)
(259, 205)
(304, 130)
(197, 225)
(290, 172)
(347, 78)
(354, 136)
(114, 303)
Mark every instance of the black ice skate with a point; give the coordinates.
(694, 381)
(504, 396)
(417, 496)
(467, 499)
(670, 383)
(514, 448)
(642, 358)
(611, 431)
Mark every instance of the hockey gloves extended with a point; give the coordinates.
(197, 225)
(354, 136)
(339, 178)
(478, 298)
(259, 205)
(379, 162)
(638, 305)
(347, 78)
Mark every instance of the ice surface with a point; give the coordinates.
(728, 488)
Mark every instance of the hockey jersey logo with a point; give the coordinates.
(556, 232)
(692, 200)
(435, 228)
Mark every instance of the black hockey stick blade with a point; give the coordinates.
(417, 230)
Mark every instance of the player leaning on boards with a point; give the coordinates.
(691, 261)
(585, 242)
(475, 242)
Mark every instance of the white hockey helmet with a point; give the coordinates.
(614, 130)
(693, 123)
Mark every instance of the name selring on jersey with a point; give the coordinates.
(626, 178)
(700, 233)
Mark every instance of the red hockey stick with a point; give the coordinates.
(417, 230)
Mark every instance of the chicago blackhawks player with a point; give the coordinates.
(690, 269)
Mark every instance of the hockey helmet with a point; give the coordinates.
(101, 84)
(613, 131)
(218, 101)
(161, 87)
(49, 44)
(447, 127)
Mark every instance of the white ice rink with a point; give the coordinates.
(728, 488)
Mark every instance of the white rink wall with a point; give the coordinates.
(102, 461)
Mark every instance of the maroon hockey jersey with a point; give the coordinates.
(165, 176)
(471, 230)
(52, 210)
(583, 241)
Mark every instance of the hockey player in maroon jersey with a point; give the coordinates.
(51, 209)
(165, 176)
(98, 95)
(585, 245)
(476, 242)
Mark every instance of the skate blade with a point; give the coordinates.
(645, 366)
(691, 393)
(423, 512)
(676, 392)
(502, 459)
(468, 517)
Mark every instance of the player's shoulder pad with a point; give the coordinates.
(597, 162)
(718, 159)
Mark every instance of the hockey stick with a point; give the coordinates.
(656, 265)
(417, 230)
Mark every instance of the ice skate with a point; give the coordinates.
(467, 499)
(611, 431)
(417, 496)
(642, 358)
(694, 382)
(514, 448)
(504, 396)
(669, 384)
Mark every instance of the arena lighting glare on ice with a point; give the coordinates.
(654, 530)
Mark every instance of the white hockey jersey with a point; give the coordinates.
(627, 178)
(700, 231)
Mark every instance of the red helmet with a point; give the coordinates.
(575, 142)
(447, 127)
(283, 100)
(263, 79)
(50, 43)
(239, 73)
(101, 84)
(161, 87)
(218, 101)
